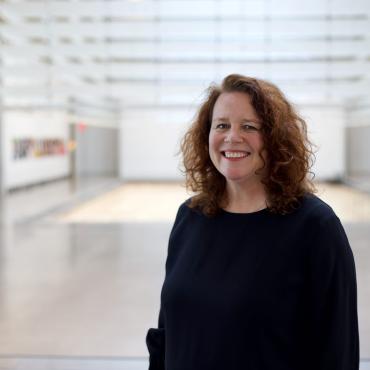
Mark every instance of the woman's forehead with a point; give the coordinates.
(234, 105)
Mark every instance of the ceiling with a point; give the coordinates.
(164, 53)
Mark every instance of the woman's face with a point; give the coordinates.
(235, 139)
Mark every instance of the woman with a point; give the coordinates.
(259, 272)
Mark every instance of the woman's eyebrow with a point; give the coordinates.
(250, 120)
(220, 119)
(244, 120)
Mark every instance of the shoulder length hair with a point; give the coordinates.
(284, 132)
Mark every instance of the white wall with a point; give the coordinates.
(358, 141)
(36, 125)
(150, 139)
(326, 128)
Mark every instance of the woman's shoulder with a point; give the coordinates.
(314, 208)
(187, 208)
(184, 207)
(186, 220)
(189, 214)
(327, 238)
(182, 212)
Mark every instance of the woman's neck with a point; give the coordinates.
(241, 199)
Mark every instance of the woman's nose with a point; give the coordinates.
(233, 136)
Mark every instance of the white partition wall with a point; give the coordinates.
(37, 161)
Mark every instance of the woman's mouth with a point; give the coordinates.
(235, 154)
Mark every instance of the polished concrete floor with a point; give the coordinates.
(81, 267)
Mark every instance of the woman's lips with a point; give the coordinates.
(235, 154)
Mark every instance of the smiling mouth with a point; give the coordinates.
(229, 154)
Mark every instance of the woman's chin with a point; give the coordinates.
(235, 179)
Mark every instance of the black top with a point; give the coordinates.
(258, 291)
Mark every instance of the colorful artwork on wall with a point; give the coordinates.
(32, 148)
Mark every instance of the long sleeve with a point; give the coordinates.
(155, 338)
(333, 300)
(155, 341)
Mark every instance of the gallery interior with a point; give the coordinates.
(95, 96)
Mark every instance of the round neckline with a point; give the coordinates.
(245, 214)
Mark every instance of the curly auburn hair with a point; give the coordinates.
(289, 152)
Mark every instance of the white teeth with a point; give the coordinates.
(235, 154)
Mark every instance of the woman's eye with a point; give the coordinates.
(249, 128)
(221, 126)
